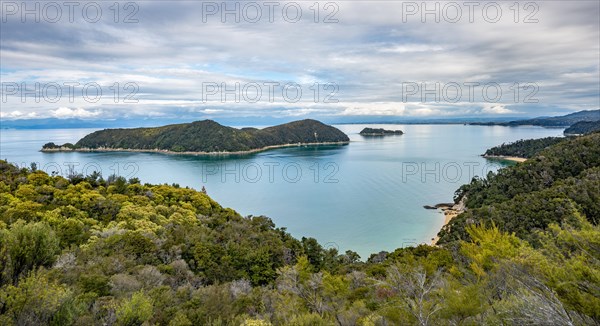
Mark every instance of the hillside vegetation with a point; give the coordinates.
(583, 127)
(556, 185)
(207, 136)
(85, 250)
(523, 148)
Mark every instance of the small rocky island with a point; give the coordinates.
(205, 137)
(379, 132)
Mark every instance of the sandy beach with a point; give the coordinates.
(164, 151)
(508, 158)
(450, 212)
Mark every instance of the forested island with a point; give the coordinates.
(90, 250)
(379, 132)
(205, 137)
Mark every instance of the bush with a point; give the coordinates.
(135, 311)
(24, 247)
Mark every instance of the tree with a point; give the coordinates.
(352, 257)
(298, 280)
(462, 301)
(417, 292)
(24, 247)
(135, 311)
(35, 300)
(313, 251)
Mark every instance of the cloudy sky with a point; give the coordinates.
(290, 60)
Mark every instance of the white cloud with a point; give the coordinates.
(375, 108)
(211, 111)
(407, 48)
(368, 54)
(497, 109)
(18, 115)
(64, 112)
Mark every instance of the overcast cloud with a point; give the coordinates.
(368, 63)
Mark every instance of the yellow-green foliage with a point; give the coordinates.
(35, 300)
(488, 246)
(135, 311)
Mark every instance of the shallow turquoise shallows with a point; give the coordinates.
(366, 196)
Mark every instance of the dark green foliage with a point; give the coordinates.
(313, 251)
(209, 136)
(50, 146)
(94, 283)
(379, 132)
(564, 160)
(583, 127)
(528, 212)
(524, 148)
(555, 185)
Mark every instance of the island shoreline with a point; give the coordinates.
(168, 152)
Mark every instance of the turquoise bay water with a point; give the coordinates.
(366, 196)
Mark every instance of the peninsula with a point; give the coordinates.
(582, 128)
(522, 150)
(205, 137)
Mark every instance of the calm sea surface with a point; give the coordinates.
(366, 196)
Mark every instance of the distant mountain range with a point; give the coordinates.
(560, 121)
(205, 136)
(54, 123)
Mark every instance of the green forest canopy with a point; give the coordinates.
(583, 127)
(526, 148)
(207, 136)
